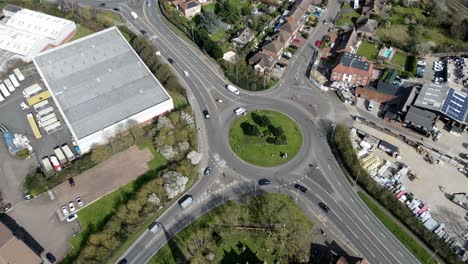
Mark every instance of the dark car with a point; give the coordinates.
(72, 182)
(144, 32)
(102, 4)
(324, 207)
(170, 60)
(263, 182)
(206, 114)
(51, 258)
(122, 261)
(207, 171)
(300, 187)
(116, 9)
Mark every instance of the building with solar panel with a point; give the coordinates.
(100, 86)
(449, 103)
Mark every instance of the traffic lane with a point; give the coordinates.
(347, 224)
(355, 206)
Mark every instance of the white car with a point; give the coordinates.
(186, 74)
(72, 217)
(72, 206)
(239, 111)
(79, 202)
(64, 210)
(287, 55)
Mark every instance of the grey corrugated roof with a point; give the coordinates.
(431, 96)
(98, 81)
(12, 8)
(420, 117)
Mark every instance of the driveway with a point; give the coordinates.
(39, 216)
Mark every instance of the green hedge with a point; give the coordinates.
(341, 141)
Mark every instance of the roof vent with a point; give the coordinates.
(98, 79)
(109, 70)
(141, 91)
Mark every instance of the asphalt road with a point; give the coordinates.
(313, 112)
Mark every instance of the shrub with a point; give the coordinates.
(101, 153)
(249, 129)
(35, 184)
(261, 120)
(24, 153)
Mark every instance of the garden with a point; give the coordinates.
(267, 228)
(265, 138)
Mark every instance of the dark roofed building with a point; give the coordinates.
(419, 120)
(263, 62)
(346, 42)
(372, 7)
(243, 37)
(388, 93)
(354, 69)
(9, 10)
(366, 27)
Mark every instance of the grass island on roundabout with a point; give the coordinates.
(265, 138)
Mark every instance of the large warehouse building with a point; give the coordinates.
(99, 84)
(26, 32)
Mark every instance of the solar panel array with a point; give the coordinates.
(456, 105)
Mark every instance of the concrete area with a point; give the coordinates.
(104, 178)
(39, 216)
(433, 182)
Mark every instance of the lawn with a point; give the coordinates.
(219, 35)
(412, 245)
(209, 7)
(82, 32)
(226, 249)
(256, 150)
(158, 161)
(399, 59)
(401, 12)
(368, 50)
(347, 18)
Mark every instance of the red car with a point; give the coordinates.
(297, 40)
(318, 43)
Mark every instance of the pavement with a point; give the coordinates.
(293, 96)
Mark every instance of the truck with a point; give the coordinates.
(61, 157)
(68, 152)
(9, 85)
(186, 201)
(46, 165)
(232, 89)
(53, 127)
(4, 90)
(431, 224)
(33, 124)
(134, 15)
(32, 90)
(48, 122)
(13, 80)
(154, 227)
(45, 112)
(41, 105)
(18, 74)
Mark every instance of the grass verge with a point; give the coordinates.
(81, 32)
(411, 244)
(110, 15)
(158, 160)
(256, 150)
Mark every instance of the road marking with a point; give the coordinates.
(367, 217)
(400, 253)
(382, 234)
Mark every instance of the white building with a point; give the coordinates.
(99, 84)
(26, 33)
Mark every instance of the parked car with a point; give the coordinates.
(51, 258)
(64, 210)
(207, 171)
(324, 207)
(298, 40)
(318, 43)
(79, 202)
(55, 163)
(300, 187)
(206, 114)
(263, 182)
(71, 182)
(72, 206)
(72, 218)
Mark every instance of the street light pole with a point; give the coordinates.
(433, 254)
(297, 194)
(355, 181)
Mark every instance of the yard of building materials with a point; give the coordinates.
(433, 183)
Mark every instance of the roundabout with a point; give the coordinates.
(265, 138)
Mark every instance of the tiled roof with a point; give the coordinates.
(263, 60)
(274, 45)
(366, 25)
(354, 64)
(346, 40)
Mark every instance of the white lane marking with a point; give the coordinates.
(382, 234)
(400, 253)
(367, 217)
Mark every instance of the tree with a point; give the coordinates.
(228, 11)
(210, 21)
(101, 153)
(249, 129)
(261, 120)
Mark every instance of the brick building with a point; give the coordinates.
(353, 69)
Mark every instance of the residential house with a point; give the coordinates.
(189, 8)
(346, 42)
(243, 37)
(13, 250)
(366, 27)
(353, 69)
(372, 7)
(297, 15)
(263, 62)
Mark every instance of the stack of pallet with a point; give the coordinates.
(370, 163)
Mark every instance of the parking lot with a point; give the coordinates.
(432, 184)
(14, 118)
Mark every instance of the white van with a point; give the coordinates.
(239, 111)
(134, 15)
(186, 201)
(232, 89)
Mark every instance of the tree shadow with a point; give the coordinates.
(176, 251)
(330, 252)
